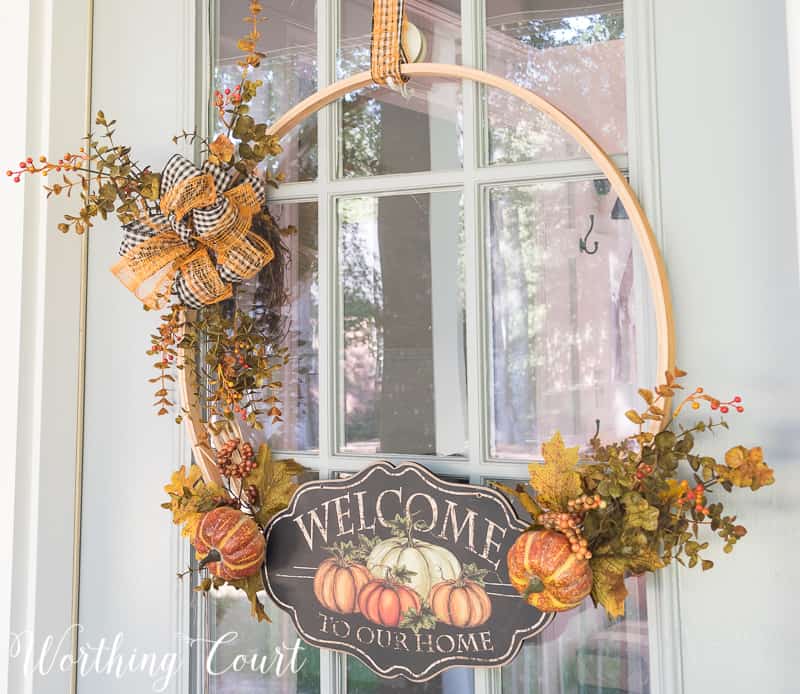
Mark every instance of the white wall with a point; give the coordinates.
(731, 251)
(47, 50)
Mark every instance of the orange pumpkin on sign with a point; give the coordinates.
(543, 568)
(462, 602)
(385, 601)
(339, 579)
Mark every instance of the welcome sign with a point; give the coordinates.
(401, 569)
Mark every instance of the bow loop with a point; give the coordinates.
(201, 241)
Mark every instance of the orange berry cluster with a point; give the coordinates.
(695, 496)
(251, 494)
(586, 503)
(70, 162)
(232, 468)
(569, 524)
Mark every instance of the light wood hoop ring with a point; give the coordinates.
(654, 263)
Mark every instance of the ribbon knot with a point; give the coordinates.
(200, 243)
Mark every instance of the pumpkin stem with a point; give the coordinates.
(535, 585)
(212, 557)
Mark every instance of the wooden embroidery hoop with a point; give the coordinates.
(653, 261)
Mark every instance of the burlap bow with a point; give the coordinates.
(200, 243)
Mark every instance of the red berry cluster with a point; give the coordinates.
(235, 459)
(569, 524)
(227, 97)
(70, 162)
(643, 470)
(695, 496)
(724, 406)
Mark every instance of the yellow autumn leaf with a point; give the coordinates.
(556, 481)
(275, 481)
(525, 499)
(647, 560)
(608, 584)
(180, 480)
(746, 468)
(673, 490)
(190, 497)
(251, 586)
(222, 148)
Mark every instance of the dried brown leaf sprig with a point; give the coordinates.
(108, 179)
(240, 365)
(164, 345)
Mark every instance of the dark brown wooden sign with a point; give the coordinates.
(401, 569)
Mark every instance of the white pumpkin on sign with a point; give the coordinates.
(429, 563)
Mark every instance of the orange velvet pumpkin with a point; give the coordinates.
(543, 568)
(236, 537)
(460, 603)
(384, 602)
(337, 584)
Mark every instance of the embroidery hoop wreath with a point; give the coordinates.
(653, 261)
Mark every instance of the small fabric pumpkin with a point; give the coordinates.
(461, 602)
(543, 568)
(338, 581)
(385, 601)
(237, 540)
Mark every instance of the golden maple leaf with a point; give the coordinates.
(556, 481)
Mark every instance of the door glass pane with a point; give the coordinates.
(402, 359)
(361, 680)
(571, 53)
(299, 430)
(584, 651)
(562, 330)
(267, 650)
(383, 132)
(289, 73)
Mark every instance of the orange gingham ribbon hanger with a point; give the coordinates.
(386, 51)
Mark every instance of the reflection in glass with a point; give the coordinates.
(289, 73)
(562, 331)
(230, 613)
(382, 132)
(403, 375)
(572, 54)
(584, 651)
(361, 680)
(299, 430)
